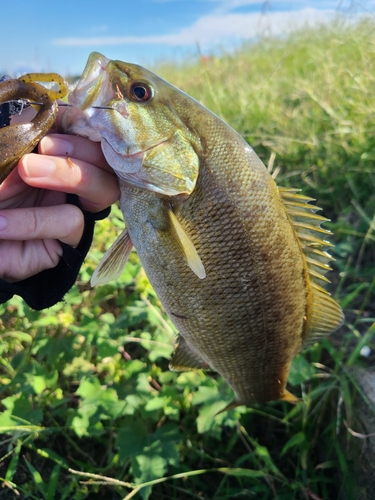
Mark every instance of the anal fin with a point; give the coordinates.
(113, 261)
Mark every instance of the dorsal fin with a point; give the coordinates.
(307, 227)
(326, 315)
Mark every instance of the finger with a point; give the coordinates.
(73, 146)
(60, 222)
(96, 188)
(19, 261)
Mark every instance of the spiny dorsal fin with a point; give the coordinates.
(190, 253)
(113, 261)
(185, 358)
(326, 315)
(307, 227)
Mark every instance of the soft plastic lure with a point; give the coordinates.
(18, 140)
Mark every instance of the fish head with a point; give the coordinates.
(132, 112)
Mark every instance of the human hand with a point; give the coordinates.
(34, 215)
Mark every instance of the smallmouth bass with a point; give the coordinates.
(237, 262)
(18, 140)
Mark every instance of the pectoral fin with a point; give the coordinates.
(113, 261)
(190, 253)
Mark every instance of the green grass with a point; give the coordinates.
(89, 409)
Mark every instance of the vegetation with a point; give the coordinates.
(89, 408)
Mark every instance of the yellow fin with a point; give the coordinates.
(191, 255)
(307, 227)
(288, 396)
(185, 358)
(326, 315)
(325, 318)
(113, 261)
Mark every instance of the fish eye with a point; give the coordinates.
(140, 92)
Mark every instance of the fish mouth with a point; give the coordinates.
(131, 168)
(143, 151)
(125, 163)
(136, 154)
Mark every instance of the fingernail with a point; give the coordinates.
(3, 222)
(54, 146)
(38, 166)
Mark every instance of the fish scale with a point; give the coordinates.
(228, 338)
(236, 261)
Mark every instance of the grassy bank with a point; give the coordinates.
(89, 409)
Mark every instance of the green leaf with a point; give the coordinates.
(150, 453)
(243, 472)
(12, 467)
(79, 367)
(52, 455)
(81, 424)
(37, 478)
(52, 483)
(50, 320)
(300, 371)
(7, 420)
(296, 440)
(20, 406)
(40, 377)
(98, 402)
(156, 403)
(209, 416)
(22, 336)
(206, 394)
(131, 440)
(106, 348)
(147, 467)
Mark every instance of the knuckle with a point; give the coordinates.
(74, 222)
(35, 222)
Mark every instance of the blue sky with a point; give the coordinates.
(44, 35)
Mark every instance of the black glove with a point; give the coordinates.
(49, 286)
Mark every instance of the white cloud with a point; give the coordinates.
(228, 5)
(101, 28)
(217, 29)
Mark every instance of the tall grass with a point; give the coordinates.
(89, 408)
